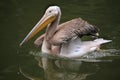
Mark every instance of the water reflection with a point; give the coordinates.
(62, 68)
(19, 16)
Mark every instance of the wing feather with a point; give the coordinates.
(71, 29)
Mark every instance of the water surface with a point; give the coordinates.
(17, 18)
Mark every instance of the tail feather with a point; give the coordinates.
(102, 41)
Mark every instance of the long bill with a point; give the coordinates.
(45, 20)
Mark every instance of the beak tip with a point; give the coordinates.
(25, 40)
(20, 44)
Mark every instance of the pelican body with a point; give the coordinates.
(81, 47)
(58, 38)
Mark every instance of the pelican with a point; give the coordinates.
(63, 38)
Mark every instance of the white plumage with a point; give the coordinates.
(77, 48)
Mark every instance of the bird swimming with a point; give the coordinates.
(63, 39)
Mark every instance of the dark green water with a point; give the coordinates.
(17, 18)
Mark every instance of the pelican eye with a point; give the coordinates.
(50, 11)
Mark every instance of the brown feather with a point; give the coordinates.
(38, 42)
(71, 29)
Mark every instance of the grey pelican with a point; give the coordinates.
(57, 37)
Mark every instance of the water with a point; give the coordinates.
(17, 18)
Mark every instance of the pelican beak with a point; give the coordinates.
(45, 20)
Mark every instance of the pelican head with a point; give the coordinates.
(50, 15)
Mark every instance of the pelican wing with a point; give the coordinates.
(38, 42)
(71, 30)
